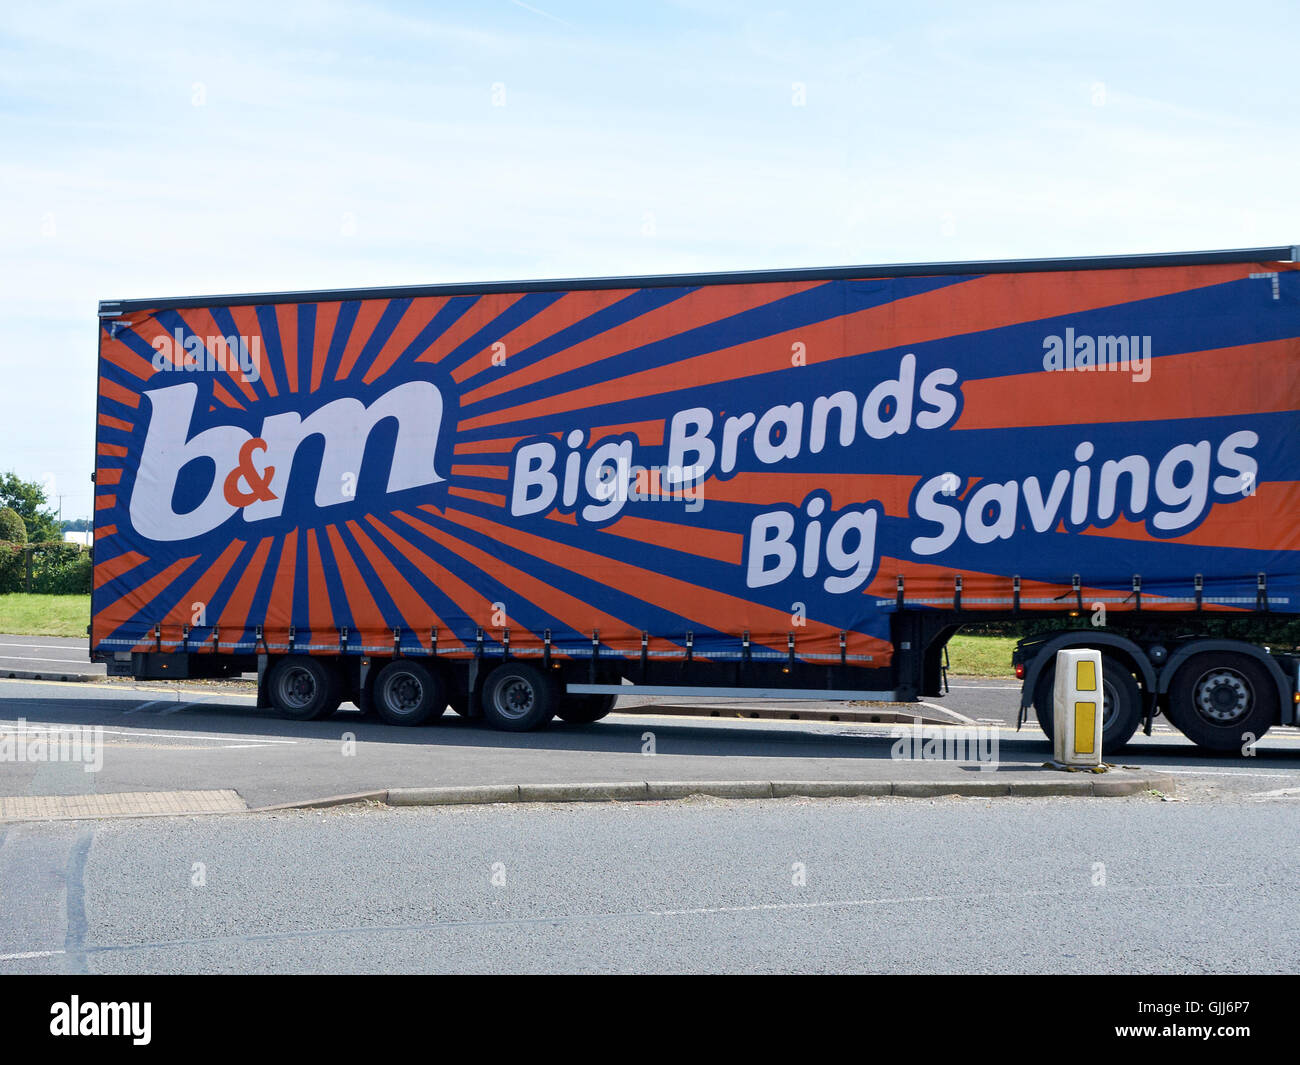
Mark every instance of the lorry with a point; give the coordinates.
(520, 500)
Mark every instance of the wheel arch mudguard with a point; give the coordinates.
(1287, 714)
(263, 693)
(1127, 649)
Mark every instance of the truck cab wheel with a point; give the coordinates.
(1121, 710)
(303, 688)
(1222, 701)
(518, 698)
(407, 692)
(584, 709)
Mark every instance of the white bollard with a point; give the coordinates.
(1077, 707)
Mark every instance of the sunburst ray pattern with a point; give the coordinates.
(452, 565)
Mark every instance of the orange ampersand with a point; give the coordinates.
(258, 482)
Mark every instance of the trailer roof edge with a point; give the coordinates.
(1281, 253)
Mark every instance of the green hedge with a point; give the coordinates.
(56, 568)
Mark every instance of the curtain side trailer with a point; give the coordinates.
(521, 499)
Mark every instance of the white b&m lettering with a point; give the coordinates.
(252, 472)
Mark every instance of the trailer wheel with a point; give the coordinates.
(407, 692)
(518, 697)
(584, 709)
(1222, 701)
(303, 688)
(1121, 709)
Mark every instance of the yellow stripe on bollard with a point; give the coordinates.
(1085, 719)
(1086, 677)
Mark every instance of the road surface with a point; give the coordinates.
(47, 655)
(889, 885)
(161, 739)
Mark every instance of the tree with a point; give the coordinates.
(27, 498)
(12, 527)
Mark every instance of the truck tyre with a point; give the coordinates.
(407, 692)
(1121, 710)
(518, 698)
(1222, 701)
(303, 688)
(584, 709)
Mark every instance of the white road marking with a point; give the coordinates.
(83, 661)
(575, 918)
(1191, 771)
(31, 954)
(136, 733)
(121, 688)
(962, 718)
(987, 687)
(243, 746)
(145, 706)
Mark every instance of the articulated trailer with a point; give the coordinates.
(521, 499)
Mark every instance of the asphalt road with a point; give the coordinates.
(1205, 883)
(47, 655)
(156, 739)
(888, 885)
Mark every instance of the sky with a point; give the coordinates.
(165, 149)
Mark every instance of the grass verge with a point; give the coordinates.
(44, 615)
(981, 656)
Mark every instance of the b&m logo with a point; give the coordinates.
(227, 469)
